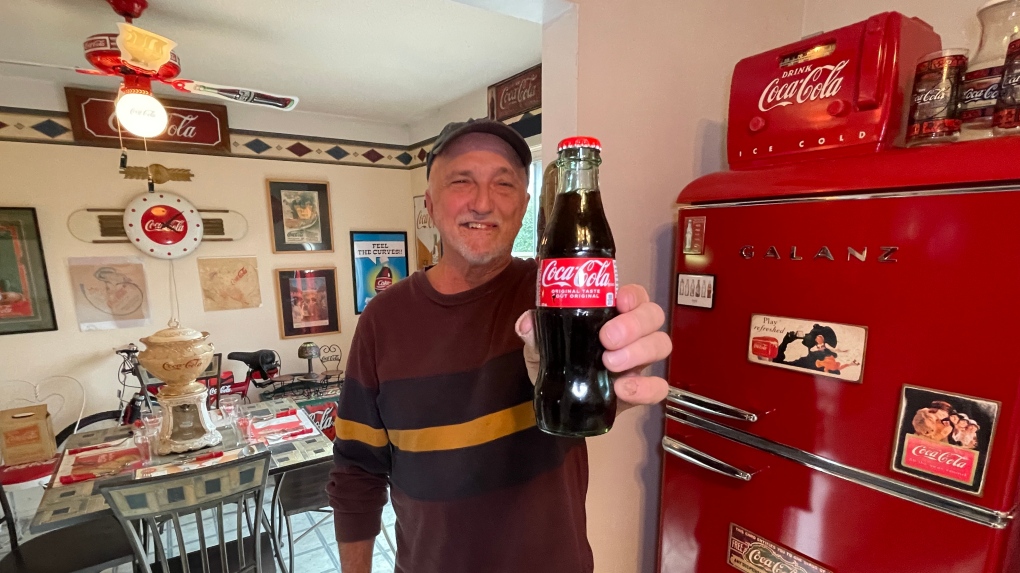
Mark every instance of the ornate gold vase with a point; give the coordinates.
(177, 355)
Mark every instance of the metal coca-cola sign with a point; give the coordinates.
(516, 95)
(192, 126)
(577, 283)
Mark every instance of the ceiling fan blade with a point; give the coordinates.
(241, 95)
(88, 70)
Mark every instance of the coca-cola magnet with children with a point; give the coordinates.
(945, 438)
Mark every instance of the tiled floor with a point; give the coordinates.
(316, 552)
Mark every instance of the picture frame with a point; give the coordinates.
(300, 219)
(371, 253)
(307, 301)
(26, 304)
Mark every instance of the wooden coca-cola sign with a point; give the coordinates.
(193, 126)
(516, 95)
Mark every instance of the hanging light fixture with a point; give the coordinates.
(139, 112)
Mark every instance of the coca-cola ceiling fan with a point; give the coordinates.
(139, 57)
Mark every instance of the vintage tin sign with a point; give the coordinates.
(945, 438)
(694, 235)
(753, 554)
(811, 346)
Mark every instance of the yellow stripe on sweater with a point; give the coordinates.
(348, 430)
(478, 431)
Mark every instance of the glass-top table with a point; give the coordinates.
(64, 505)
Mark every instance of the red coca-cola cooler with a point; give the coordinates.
(844, 381)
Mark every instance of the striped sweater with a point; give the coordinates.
(437, 406)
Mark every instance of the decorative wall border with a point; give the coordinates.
(35, 126)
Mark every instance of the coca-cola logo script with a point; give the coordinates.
(577, 283)
(819, 82)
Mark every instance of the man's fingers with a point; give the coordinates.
(631, 297)
(641, 389)
(630, 326)
(652, 348)
(525, 328)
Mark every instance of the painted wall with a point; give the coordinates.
(954, 20)
(58, 180)
(652, 81)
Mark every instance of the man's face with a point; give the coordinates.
(304, 211)
(477, 196)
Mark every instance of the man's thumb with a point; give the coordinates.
(525, 328)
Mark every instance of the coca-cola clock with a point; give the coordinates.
(163, 225)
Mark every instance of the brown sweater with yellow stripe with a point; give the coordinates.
(437, 405)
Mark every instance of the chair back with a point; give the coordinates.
(8, 518)
(330, 356)
(198, 493)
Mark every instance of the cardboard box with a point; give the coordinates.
(26, 435)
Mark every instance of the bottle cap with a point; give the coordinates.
(579, 141)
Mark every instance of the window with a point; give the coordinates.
(526, 243)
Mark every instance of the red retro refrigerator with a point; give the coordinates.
(845, 378)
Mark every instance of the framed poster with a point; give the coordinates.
(379, 260)
(25, 301)
(428, 246)
(299, 214)
(306, 301)
(109, 292)
(229, 283)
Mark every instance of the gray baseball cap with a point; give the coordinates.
(456, 129)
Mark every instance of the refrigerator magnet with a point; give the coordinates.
(694, 235)
(754, 554)
(945, 438)
(695, 290)
(816, 347)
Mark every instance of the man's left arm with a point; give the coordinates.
(633, 342)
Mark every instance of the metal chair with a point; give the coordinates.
(166, 499)
(87, 547)
(298, 491)
(330, 356)
(302, 491)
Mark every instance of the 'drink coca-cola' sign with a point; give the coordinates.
(192, 126)
(516, 95)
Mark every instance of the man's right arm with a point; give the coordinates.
(361, 453)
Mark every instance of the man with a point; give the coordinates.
(437, 404)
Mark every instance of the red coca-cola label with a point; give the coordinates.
(577, 283)
(765, 347)
(164, 225)
(940, 459)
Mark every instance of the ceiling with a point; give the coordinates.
(391, 61)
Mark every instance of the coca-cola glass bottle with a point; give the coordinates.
(577, 290)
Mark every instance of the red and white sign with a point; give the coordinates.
(193, 126)
(577, 283)
(940, 459)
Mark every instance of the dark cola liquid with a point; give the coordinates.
(574, 393)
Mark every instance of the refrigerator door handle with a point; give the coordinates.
(703, 460)
(708, 405)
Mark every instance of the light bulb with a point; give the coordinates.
(141, 114)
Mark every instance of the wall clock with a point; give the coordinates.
(163, 225)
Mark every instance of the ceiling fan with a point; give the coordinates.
(140, 57)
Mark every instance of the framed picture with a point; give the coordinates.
(306, 300)
(109, 292)
(379, 259)
(25, 301)
(299, 213)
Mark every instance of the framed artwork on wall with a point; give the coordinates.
(306, 301)
(379, 259)
(25, 301)
(109, 292)
(299, 215)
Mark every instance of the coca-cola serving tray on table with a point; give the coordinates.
(842, 92)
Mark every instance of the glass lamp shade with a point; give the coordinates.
(141, 114)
